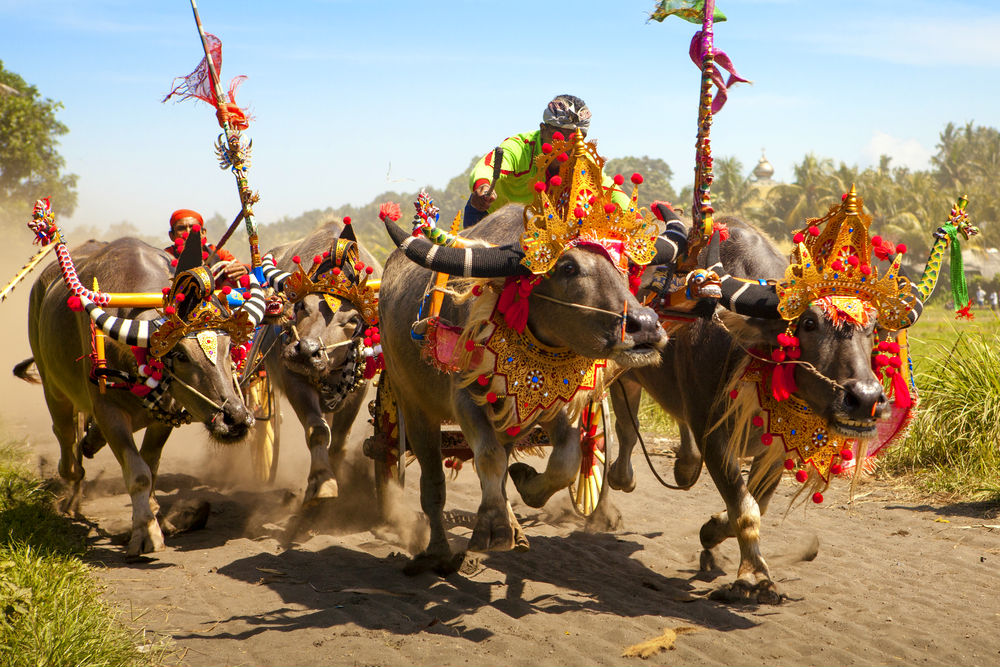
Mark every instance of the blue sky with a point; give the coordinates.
(353, 98)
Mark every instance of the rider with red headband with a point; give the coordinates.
(224, 266)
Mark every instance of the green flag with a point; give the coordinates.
(689, 10)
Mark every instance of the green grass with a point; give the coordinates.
(954, 442)
(51, 611)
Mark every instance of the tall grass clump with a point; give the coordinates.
(51, 612)
(954, 442)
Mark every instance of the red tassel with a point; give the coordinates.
(900, 391)
(783, 381)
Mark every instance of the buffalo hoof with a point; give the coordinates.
(743, 592)
(606, 518)
(686, 472)
(521, 474)
(70, 504)
(322, 486)
(496, 530)
(709, 563)
(440, 564)
(146, 538)
(620, 476)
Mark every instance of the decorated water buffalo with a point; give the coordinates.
(809, 373)
(140, 368)
(524, 338)
(323, 358)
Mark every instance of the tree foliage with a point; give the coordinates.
(30, 164)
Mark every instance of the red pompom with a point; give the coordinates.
(734, 394)
(336, 271)
(173, 262)
(75, 303)
(317, 259)
(296, 259)
(358, 266)
(477, 290)
(169, 310)
(227, 290)
(483, 380)
(558, 136)
(817, 497)
(546, 148)
(637, 178)
(794, 353)
(367, 341)
(758, 421)
(204, 255)
(619, 179)
(244, 281)
(766, 439)
(347, 219)
(326, 254)
(179, 297)
(562, 157)
(579, 212)
(799, 237)
(801, 475)
(789, 464)
(846, 454)
(556, 180)
(901, 248)
(369, 270)
(853, 260)
(540, 186)
(783, 339)
(184, 236)
(609, 208)
(246, 296)
(491, 397)
(836, 468)
(876, 240)
(196, 228)
(470, 345)
(866, 270)
(165, 290)
(813, 230)
(778, 355)
(513, 430)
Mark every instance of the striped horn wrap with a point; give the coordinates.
(122, 329)
(475, 262)
(752, 298)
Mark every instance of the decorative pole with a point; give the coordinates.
(232, 153)
(702, 211)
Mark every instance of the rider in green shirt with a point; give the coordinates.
(565, 114)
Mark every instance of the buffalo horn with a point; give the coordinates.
(476, 262)
(753, 298)
(122, 329)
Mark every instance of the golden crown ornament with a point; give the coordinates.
(573, 206)
(336, 282)
(831, 258)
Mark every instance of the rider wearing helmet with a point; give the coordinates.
(565, 114)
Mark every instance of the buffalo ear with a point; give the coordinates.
(752, 331)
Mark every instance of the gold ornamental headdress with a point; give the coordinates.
(573, 206)
(337, 273)
(832, 258)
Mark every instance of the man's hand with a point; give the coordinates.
(481, 197)
(234, 270)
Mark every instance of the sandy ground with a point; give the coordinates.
(895, 579)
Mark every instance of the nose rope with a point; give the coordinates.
(203, 397)
(802, 364)
(570, 304)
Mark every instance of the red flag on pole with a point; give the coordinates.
(199, 84)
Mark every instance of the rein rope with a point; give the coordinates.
(649, 461)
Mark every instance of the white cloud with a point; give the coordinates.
(904, 152)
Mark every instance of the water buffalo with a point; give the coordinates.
(582, 305)
(699, 367)
(194, 386)
(317, 359)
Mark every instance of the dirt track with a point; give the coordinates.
(895, 581)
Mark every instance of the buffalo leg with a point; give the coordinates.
(70, 459)
(153, 441)
(305, 401)
(497, 529)
(424, 439)
(625, 396)
(560, 471)
(340, 427)
(146, 534)
(740, 519)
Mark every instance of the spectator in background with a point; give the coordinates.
(994, 299)
(980, 296)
